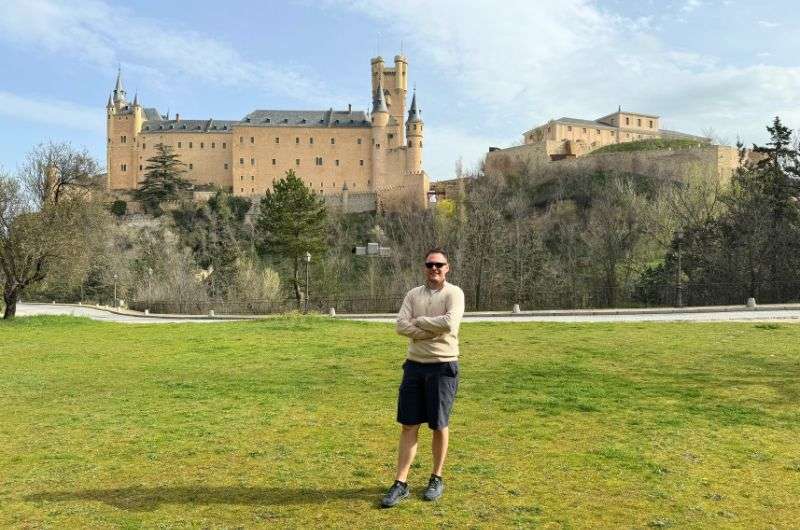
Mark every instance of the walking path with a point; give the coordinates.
(766, 313)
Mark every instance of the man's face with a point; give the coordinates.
(436, 267)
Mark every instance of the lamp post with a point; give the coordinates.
(679, 294)
(115, 290)
(149, 285)
(308, 263)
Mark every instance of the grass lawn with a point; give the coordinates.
(290, 423)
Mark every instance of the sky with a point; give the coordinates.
(485, 71)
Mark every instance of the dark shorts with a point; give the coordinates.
(427, 393)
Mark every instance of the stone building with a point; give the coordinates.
(359, 161)
(568, 144)
(571, 137)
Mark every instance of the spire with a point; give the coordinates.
(378, 102)
(135, 98)
(109, 104)
(414, 114)
(119, 92)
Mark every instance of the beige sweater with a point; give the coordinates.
(430, 319)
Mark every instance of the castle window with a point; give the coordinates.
(190, 145)
(191, 166)
(569, 127)
(297, 140)
(144, 145)
(224, 145)
(318, 160)
(337, 162)
(252, 178)
(202, 144)
(109, 140)
(420, 145)
(358, 141)
(179, 145)
(124, 167)
(390, 136)
(252, 139)
(651, 124)
(268, 120)
(333, 141)
(409, 143)
(226, 165)
(274, 161)
(241, 161)
(241, 139)
(123, 139)
(277, 140)
(377, 146)
(360, 162)
(627, 121)
(639, 122)
(241, 189)
(297, 161)
(241, 177)
(311, 140)
(252, 161)
(584, 129)
(213, 145)
(252, 190)
(598, 131)
(140, 167)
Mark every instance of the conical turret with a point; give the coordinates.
(135, 99)
(109, 105)
(414, 114)
(119, 92)
(379, 102)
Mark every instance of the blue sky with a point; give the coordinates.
(485, 71)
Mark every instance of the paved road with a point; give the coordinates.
(711, 316)
(98, 314)
(763, 315)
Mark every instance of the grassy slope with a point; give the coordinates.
(290, 422)
(650, 145)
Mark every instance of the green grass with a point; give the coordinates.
(290, 423)
(650, 145)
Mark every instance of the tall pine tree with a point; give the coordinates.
(163, 181)
(291, 222)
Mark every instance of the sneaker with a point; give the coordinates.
(396, 493)
(434, 490)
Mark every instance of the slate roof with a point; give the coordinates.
(259, 118)
(584, 123)
(306, 118)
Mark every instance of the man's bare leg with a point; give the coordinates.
(406, 451)
(439, 446)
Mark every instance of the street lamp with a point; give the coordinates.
(149, 285)
(115, 290)
(679, 299)
(308, 263)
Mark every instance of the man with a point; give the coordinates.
(430, 318)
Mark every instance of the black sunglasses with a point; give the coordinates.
(432, 264)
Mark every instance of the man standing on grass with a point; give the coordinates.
(430, 318)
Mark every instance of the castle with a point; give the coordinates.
(356, 160)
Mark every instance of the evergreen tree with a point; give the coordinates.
(162, 182)
(291, 222)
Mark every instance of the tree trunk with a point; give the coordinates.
(10, 298)
(297, 293)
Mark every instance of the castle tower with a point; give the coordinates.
(123, 123)
(380, 120)
(394, 81)
(415, 133)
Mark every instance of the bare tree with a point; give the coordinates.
(43, 225)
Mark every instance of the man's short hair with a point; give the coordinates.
(437, 250)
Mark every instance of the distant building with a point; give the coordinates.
(566, 142)
(571, 137)
(357, 160)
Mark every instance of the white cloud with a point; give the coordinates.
(96, 33)
(52, 112)
(513, 68)
(767, 24)
(691, 5)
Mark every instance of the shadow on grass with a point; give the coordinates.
(138, 498)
